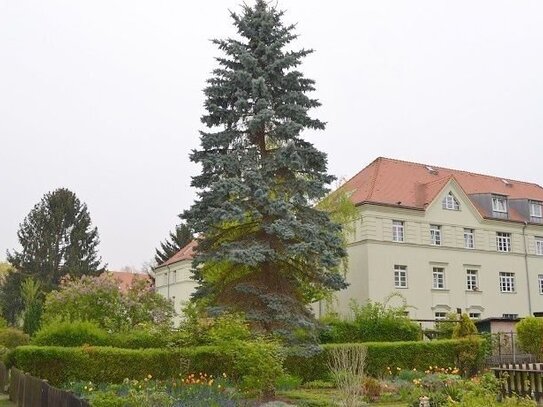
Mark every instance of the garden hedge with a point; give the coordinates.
(467, 354)
(258, 362)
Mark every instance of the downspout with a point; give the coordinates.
(526, 267)
(168, 279)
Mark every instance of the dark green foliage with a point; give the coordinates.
(466, 354)
(32, 317)
(76, 333)
(256, 364)
(12, 337)
(263, 248)
(57, 238)
(176, 241)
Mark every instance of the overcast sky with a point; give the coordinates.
(104, 97)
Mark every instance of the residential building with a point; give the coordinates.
(446, 240)
(172, 278)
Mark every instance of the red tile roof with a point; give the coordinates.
(126, 278)
(407, 184)
(186, 253)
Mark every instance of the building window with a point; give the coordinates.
(540, 283)
(397, 231)
(440, 316)
(450, 202)
(174, 277)
(539, 246)
(435, 235)
(469, 239)
(503, 241)
(507, 282)
(438, 278)
(536, 211)
(475, 315)
(472, 280)
(400, 276)
(510, 316)
(499, 203)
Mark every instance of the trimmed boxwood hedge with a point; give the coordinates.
(466, 354)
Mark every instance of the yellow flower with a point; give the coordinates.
(149, 376)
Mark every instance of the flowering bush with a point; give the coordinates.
(99, 299)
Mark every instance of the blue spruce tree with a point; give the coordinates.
(263, 248)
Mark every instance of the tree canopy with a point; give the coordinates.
(263, 247)
(56, 239)
(178, 239)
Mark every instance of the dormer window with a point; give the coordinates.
(450, 202)
(499, 204)
(536, 211)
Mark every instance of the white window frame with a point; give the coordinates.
(536, 209)
(450, 202)
(503, 242)
(400, 276)
(440, 315)
(469, 238)
(474, 315)
(539, 246)
(540, 283)
(499, 203)
(438, 278)
(397, 231)
(435, 235)
(472, 280)
(507, 282)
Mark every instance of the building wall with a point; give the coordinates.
(174, 282)
(373, 254)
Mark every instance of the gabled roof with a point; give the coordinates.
(126, 278)
(406, 184)
(186, 253)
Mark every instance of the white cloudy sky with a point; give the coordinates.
(104, 97)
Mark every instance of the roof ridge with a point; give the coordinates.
(374, 176)
(462, 171)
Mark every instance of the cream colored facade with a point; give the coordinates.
(374, 258)
(173, 282)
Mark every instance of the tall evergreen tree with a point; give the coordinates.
(263, 247)
(57, 238)
(178, 239)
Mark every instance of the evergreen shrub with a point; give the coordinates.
(12, 337)
(466, 354)
(76, 333)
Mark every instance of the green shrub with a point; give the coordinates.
(466, 354)
(76, 333)
(140, 339)
(530, 335)
(255, 365)
(465, 327)
(12, 337)
(372, 322)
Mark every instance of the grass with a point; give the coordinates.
(320, 398)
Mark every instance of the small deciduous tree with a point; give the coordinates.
(465, 327)
(100, 299)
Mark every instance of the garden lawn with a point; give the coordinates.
(320, 398)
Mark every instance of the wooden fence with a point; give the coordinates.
(29, 391)
(523, 379)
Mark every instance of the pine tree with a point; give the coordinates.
(177, 240)
(57, 239)
(263, 247)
